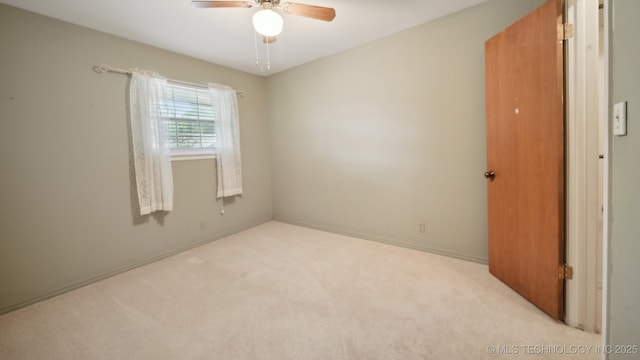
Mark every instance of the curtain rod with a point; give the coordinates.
(100, 69)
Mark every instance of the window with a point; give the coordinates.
(189, 119)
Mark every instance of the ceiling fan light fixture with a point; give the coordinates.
(268, 22)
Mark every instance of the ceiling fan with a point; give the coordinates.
(267, 22)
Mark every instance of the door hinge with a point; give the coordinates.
(565, 31)
(565, 272)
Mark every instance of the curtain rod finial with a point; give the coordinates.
(101, 69)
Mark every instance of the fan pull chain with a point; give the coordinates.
(268, 58)
(255, 47)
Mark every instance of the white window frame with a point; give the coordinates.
(201, 96)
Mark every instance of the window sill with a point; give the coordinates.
(192, 154)
(183, 157)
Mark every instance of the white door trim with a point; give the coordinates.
(606, 193)
(582, 104)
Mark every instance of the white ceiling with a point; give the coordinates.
(226, 37)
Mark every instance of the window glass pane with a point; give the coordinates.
(189, 117)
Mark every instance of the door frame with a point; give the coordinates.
(606, 181)
(582, 67)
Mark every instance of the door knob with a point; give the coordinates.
(489, 174)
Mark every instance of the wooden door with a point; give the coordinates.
(525, 151)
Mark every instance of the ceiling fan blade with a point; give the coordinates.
(269, 39)
(220, 4)
(310, 11)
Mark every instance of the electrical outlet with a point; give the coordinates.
(203, 225)
(422, 227)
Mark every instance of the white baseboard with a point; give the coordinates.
(384, 240)
(51, 294)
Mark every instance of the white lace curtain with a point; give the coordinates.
(151, 152)
(229, 163)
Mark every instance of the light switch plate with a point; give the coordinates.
(620, 119)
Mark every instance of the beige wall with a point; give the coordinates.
(376, 140)
(65, 189)
(624, 287)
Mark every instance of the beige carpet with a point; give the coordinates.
(278, 292)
